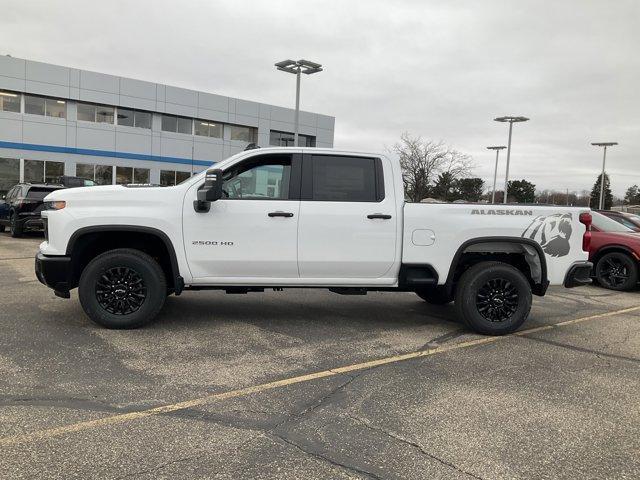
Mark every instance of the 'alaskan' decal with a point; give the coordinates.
(552, 232)
(497, 211)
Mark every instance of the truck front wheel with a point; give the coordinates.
(493, 298)
(122, 288)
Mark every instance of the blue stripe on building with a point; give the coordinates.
(103, 153)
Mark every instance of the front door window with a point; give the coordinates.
(266, 179)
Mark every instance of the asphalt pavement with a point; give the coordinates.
(313, 385)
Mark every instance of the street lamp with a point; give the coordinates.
(511, 121)
(604, 159)
(495, 172)
(298, 67)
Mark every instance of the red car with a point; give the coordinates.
(629, 220)
(615, 253)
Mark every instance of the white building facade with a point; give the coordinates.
(57, 120)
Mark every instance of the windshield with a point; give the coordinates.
(605, 224)
(223, 163)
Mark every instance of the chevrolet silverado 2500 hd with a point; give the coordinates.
(298, 217)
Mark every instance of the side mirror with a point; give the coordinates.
(210, 191)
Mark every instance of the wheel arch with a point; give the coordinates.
(480, 249)
(614, 248)
(86, 242)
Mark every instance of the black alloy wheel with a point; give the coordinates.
(493, 298)
(121, 290)
(497, 300)
(617, 271)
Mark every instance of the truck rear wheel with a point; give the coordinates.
(493, 298)
(122, 288)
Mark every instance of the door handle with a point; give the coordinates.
(280, 214)
(379, 215)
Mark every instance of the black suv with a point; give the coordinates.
(20, 208)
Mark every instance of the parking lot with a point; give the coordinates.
(309, 384)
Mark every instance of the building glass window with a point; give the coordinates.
(86, 112)
(34, 105)
(182, 176)
(169, 178)
(124, 175)
(104, 114)
(89, 112)
(134, 118)
(85, 170)
(53, 171)
(9, 101)
(33, 171)
(243, 134)
(172, 123)
(38, 171)
(285, 139)
(208, 129)
(51, 107)
(100, 174)
(141, 175)
(9, 174)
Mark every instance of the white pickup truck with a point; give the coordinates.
(304, 217)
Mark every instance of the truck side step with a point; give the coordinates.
(242, 290)
(348, 291)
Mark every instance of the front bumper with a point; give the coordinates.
(579, 274)
(54, 272)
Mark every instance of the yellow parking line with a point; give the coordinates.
(126, 417)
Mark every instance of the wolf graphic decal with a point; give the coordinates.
(552, 232)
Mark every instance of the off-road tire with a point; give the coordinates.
(124, 269)
(502, 287)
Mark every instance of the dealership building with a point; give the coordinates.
(57, 120)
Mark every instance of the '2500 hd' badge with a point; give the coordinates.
(214, 243)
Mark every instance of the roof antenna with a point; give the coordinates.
(251, 146)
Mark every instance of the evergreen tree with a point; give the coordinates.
(595, 194)
(521, 191)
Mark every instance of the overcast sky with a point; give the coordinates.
(439, 69)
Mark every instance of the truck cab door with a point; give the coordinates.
(348, 220)
(250, 235)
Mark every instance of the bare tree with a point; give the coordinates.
(423, 160)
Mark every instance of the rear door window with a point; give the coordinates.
(344, 179)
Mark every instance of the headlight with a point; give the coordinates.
(58, 205)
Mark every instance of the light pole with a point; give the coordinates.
(604, 159)
(495, 171)
(511, 121)
(298, 67)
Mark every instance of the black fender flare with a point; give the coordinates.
(539, 288)
(173, 259)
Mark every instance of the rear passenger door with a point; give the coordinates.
(348, 219)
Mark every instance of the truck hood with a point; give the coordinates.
(101, 191)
